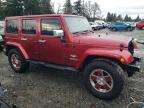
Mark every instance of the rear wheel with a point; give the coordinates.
(114, 29)
(104, 79)
(1, 48)
(17, 61)
(129, 29)
(93, 28)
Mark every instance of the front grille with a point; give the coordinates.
(131, 47)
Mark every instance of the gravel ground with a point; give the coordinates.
(43, 87)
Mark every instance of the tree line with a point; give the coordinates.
(89, 9)
(24, 7)
(32, 7)
(113, 17)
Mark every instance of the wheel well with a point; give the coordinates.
(90, 58)
(9, 48)
(114, 28)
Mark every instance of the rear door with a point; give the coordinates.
(29, 37)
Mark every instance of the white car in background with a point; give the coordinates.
(95, 26)
(102, 23)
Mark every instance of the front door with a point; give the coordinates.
(29, 37)
(51, 48)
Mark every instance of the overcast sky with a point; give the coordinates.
(130, 7)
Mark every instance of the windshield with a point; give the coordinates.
(77, 24)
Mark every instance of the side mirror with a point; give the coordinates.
(59, 33)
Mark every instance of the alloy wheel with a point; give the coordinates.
(101, 80)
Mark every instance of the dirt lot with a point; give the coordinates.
(43, 87)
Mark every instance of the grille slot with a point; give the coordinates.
(131, 47)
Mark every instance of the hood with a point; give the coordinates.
(103, 40)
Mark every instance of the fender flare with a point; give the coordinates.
(114, 54)
(19, 47)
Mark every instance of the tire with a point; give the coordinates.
(129, 29)
(1, 48)
(93, 28)
(113, 75)
(114, 29)
(17, 61)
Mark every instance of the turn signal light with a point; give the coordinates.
(122, 60)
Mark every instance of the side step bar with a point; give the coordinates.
(55, 66)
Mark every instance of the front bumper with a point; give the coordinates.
(133, 67)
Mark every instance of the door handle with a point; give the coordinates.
(41, 41)
(24, 39)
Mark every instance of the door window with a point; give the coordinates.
(48, 25)
(29, 26)
(12, 26)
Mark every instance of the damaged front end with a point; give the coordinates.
(134, 66)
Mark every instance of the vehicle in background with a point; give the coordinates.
(100, 26)
(133, 24)
(140, 25)
(121, 26)
(101, 23)
(94, 26)
(108, 24)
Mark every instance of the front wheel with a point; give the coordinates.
(104, 79)
(1, 48)
(114, 29)
(17, 61)
(129, 29)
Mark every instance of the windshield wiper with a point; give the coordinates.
(85, 31)
(76, 32)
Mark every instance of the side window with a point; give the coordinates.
(29, 26)
(12, 26)
(48, 25)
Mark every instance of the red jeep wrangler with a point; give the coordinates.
(67, 42)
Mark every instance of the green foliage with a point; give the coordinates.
(45, 7)
(111, 17)
(1, 11)
(137, 19)
(31, 7)
(13, 7)
(24, 7)
(78, 10)
(119, 18)
(68, 7)
(127, 18)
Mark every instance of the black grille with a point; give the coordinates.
(131, 47)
